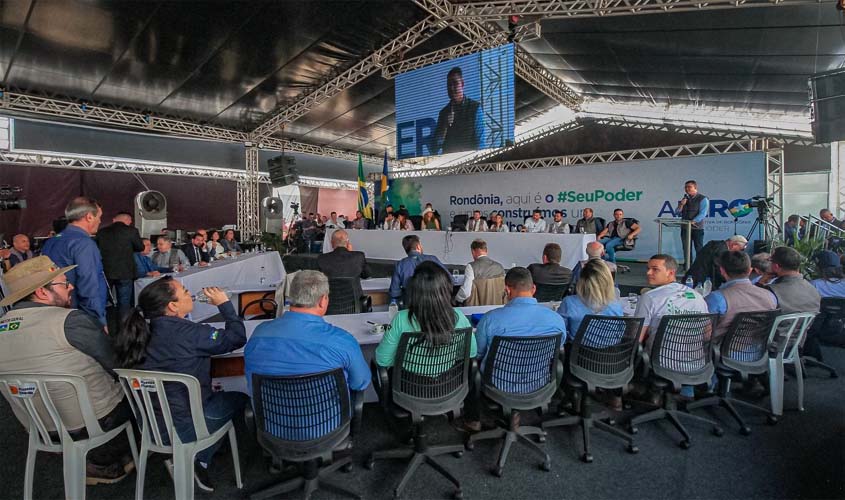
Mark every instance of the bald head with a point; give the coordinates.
(340, 238)
(21, 242)
(594, 250)
(124, 218)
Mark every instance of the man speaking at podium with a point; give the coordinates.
(694, 207)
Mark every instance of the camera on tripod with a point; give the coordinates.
(762, 204)
(295, 207)
(10, 198)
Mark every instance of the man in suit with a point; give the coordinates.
(118, 244)
(195, 251)
(476, 224)
(342, 261)
(405, 268)
(550, 272)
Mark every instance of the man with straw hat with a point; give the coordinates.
(42, 334)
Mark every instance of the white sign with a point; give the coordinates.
(645, 190)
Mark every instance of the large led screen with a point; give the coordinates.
(463, 104)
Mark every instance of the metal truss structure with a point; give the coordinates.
(418, 33)
(525, 66)
(523, 33)
(664, 152)
(248, 203)
(326, 183)
(837, 179)
(550, 9)
(774, 180)
(713, 130)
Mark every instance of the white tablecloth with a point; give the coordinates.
(242, 273)
(521, 249)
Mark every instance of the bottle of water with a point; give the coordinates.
(286, 306)
(263, 278)
(392, 310)
(700, 289)
(708, 287)
(690, 283)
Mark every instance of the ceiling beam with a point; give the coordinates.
(567, 9)
(417, 34)
(525, 66)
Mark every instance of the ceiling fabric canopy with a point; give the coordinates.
(234, 64)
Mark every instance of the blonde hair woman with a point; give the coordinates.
(596, 294)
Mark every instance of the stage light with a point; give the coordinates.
(513, 22)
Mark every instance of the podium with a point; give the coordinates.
(673, 222)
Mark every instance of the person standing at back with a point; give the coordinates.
(118, 244)
(74, 246)
(693, 207)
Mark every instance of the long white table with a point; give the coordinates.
(521, 249)
(238, 274)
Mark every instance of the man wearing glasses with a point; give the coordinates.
(706, 263)
(42, 334)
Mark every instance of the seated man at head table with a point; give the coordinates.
(476, 223)
(144, 265)
(668, 297)
(558, 225)
(405, 268)
(195, 251)
(535, 224)
(302, 342)
(481, 267)
(618, 231)
(169, 257)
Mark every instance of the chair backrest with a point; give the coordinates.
(549, 293)
(431, 379)
(30, 398)
(344, 296)
(745, 346)
(487, 292)
(267, 307)
(145, 391)
(604, 351)
(788, 333)
(833, 307)
(301, 417)
(829, 325)
(416, 220)
(520, 371)
(681, 351)
(459, 222)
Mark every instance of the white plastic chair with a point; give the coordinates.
(142, 388)
(27, 393)
(788, 333)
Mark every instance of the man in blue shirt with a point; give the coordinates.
(74, 246)
(405, 268)
(694, 207)
(301, 342)
(737, 294)
(144, 265)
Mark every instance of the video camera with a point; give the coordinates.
(295, 207)
(760, 201)
(10, 198)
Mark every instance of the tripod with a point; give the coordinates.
(765, 225)
(290, 246)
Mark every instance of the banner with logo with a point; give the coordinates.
(645, 190)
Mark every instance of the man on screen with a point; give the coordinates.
(460, 126)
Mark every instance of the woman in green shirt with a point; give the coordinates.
(429, 311)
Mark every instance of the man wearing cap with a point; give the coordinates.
(706, 263)
(75, 247)
(42, 334)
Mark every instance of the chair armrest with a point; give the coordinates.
(381, 384)
(558, 371)
(357, 412)
(475, 379)
(646, 360)
(366, 303)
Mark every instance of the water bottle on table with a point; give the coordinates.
(392, 310)
(708, 287)
(689, 282)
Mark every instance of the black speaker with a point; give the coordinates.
(282, 170)
(827, 95)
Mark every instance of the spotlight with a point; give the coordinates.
(513, 22)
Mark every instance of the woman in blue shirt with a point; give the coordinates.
(595, 295)
(171, 343)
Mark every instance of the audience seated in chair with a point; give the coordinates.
(550, 272)
(481, 268)
(831, 282)
(595, 294)
(343, 261)
(619, 231)
(429, 310)
(706, 263)
(594, 250)
(43, 334)
(171, 343)
(737, 294)
(20, 251)
(405, 268)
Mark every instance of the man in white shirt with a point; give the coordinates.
(475, 224)
(558, 226)
(536, 224)
(481, 267)
(333, 222)
(668, 296)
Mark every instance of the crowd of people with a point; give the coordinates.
(59, 299)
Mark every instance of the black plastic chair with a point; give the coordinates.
(625, 247)
(550, 292)
(268, 309)
(306, 419)
(345, 297)
(459, 222)
(427, 380)
(743, 351)
(681, 355)
(603, 356)
(520, 373)
(827, 328)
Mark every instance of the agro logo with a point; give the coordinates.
(718, 208)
